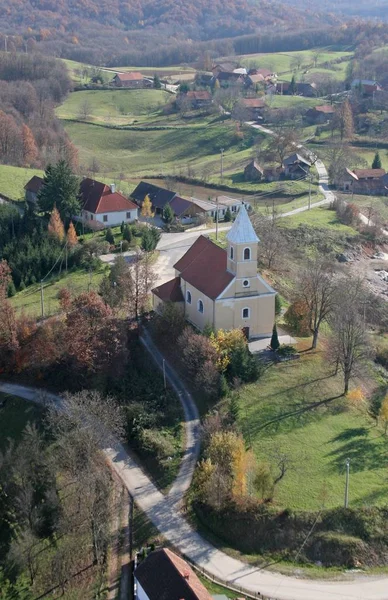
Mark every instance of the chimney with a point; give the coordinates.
(113, 187)
(186, 575)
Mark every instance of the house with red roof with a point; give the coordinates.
(164, 575)
(318, 115)
(132, 80)
(102, 205)
(221, 287)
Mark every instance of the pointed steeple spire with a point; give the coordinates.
(242, 231)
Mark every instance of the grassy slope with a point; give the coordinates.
(13, 180)
(318, 441)
(28, 300)
(280, 61)
(111, 104)
(320, 217)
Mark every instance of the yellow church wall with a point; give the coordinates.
(192, 313)
(228, 314)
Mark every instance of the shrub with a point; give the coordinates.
(297, 317)
(382, 356)
(156, 443)
(127, 234)
(278, 305)
(109, 236)
(337, 549)
(125, 246)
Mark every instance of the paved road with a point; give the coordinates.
(162, 510)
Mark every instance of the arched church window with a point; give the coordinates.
(247, 254)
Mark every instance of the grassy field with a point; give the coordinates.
(13, 180)
(279, 62)
(14, 416)
(316, 441)
(277, 101)
(320, 217)
(378, 203)
(28, 301)
(112, 106)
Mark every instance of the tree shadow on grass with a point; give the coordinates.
(365, 454)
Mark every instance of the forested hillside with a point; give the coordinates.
(30, 133)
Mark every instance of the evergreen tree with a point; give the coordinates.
(157, 84)
(122, 227)
(228, 215)
(55, 227)
(278, 305)
(149, 239)
(109, 236)
(376, 161)
(72, 238)
(168, 214)
(127, 234)
(60, 188)
(234, 408)
(275, 344)
(293, 85)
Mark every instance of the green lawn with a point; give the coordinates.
(13, 180)
(316, 442)
(14, 416)
(277, 101)
(29, 300)
(320, 217)
(115, 106)
(378, 203)
(280, 61)
(137, 153)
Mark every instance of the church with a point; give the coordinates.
(222, 288)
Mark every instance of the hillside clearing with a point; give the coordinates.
(13, 180)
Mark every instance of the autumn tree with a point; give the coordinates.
(55, 227)
(61, 189)
(141, 280)
(316, 287)
(146, 208)
(72, 239)
(114, 288)
(30, 149)
(272, 241)
(280, 145)
(349, 345)
(344, 120)
(297, 317)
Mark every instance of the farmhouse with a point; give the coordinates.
(253, 171)
(366, 181)
(222, 288)
(367, 86)
(296, 166)
(318, 115)
(254, 107)
(199, 98)
(165, 576)
(32, 189)
(301, 89)
(229, 78)
(224, 67)
(131, 80)
(102, 206)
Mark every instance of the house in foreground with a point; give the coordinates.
(296, 166)
(165, 576)
(103, 205)
(222, 288)
(372, 182)
(133, 80)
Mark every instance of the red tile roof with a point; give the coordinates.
(199, 95)
(34, 184)
(253, 102)
(133, 76)
(165, 576)
(326, 108)
(204, 267)
(369, 173)
(170, 291)
(97, 198)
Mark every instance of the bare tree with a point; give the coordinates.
(349, 345)
(282, 143)
(142, 279)
(317, 289)
(272, 240)
(84, 110)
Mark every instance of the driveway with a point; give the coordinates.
(162, 511)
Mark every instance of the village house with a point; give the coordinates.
(103, 206)
(221, 288)
(199, 98)
(254, 108)
(309, 90)
(366, 181)
(226, 67)
(266, 74)
(319, 115)
(159, 196)
(253, 171)
(229, 78)
(367, 87)
(32, 189)
(296, 166)
(132, 80)
(163, 575)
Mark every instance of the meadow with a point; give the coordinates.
(279, 62)
(13, 180)
(277, 419)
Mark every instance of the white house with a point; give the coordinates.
(102, 206)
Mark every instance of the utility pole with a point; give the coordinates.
(164, 374)
(222, 165)
(41, 298)
(347, 463)
(310, 191)
(217, 218)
